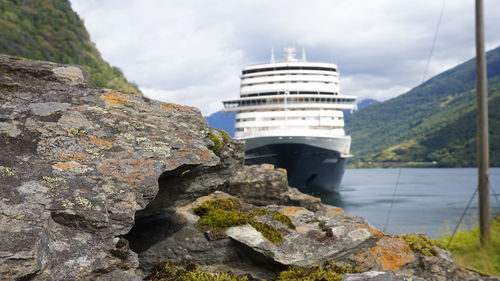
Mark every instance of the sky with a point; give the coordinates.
(191, 52)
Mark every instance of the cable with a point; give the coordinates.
(434, 41)
(461, 218)
(392, 201)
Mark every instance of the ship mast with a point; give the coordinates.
(482, 127)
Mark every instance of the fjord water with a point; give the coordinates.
(425, 198)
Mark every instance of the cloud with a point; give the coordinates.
(191, 52)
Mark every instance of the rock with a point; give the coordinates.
(380, 276)
(263, 185)
(314, 240)
(76, 163)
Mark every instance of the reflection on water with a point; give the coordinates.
(425, 198)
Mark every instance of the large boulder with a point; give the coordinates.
(76, 163)
(311, 239)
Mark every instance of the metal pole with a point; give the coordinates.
(482, 126)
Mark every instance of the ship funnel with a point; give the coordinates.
(289, 54)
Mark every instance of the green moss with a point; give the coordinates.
(259, 212)
(284, 219)
(328, 272)
(269, 232)
(421, 244)
(219, 138)
(218, 142)
(227, 204)
(222, 218)
(167, 271)
(224, 134)
(221, 213)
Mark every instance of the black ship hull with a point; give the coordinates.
(311, 169)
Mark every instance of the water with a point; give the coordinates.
(425, 198)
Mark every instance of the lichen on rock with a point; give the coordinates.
(69, 177)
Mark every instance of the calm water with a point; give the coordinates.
(425, 198)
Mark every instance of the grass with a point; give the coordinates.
(467, 251)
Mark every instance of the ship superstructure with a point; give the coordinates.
(290, 114)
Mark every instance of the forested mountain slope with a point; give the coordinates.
(434, 122)
(51, 30)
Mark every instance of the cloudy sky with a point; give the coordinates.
(191, 52)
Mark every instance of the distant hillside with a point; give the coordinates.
(362, 104)
(51, 30)
(222, 120)
(434, 122)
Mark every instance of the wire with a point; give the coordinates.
(392, 201)
(434, 41)
(461, 218)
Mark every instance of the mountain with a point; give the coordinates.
(362, 104)
(434, 123)
(51, 30)
(222, 120)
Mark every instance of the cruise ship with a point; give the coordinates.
(289, 114)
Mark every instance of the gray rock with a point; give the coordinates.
(76, 163)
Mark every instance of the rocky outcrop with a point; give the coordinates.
(97, 184)
(76, 163)
(313, 240)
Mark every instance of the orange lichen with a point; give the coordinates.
(390, 253)
(375, 232)
(332, 211)
(204, 155)
(129, 170)
(70, 166)
(100, 142)
(114, 98)
(281, 170)
(267, 166)
(170, 106)
(292, 211)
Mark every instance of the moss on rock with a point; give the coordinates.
(329, 272)
(284, 219)
(222, 213)
(271, 234)
(218, 142)
(219, 138)
(421, 244)
(167, 271)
